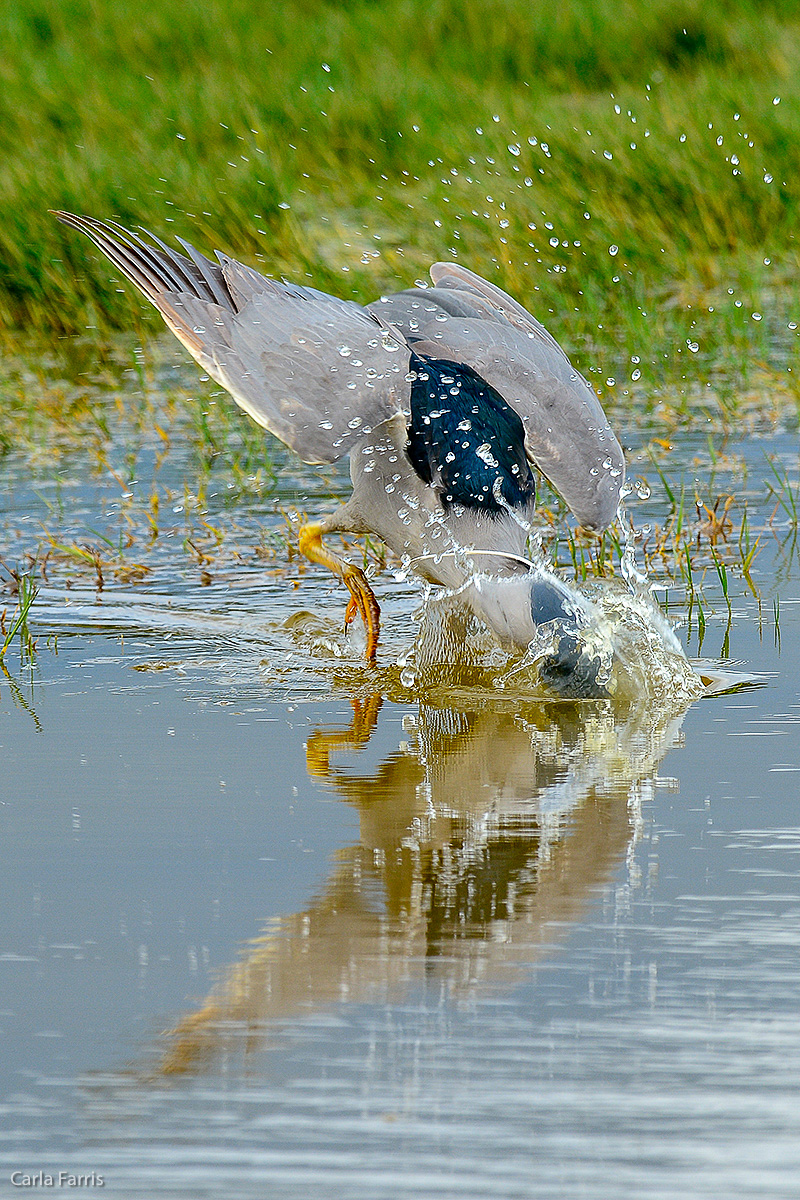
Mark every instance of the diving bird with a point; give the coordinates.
(444, 397)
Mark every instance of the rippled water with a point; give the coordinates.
(275, 925)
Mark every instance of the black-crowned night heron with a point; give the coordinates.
(443, 397)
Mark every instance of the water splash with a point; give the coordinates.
(634, 577)
(611, 641)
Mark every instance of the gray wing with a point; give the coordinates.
(454, 278)
(567, 434)
(317, 371)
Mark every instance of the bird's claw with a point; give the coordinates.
(350, 613)
(362, 597)
(362, 601)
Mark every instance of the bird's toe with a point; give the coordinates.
(362, 600)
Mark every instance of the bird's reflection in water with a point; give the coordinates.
(481, 837)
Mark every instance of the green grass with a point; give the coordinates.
(354, 143)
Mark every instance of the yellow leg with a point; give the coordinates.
(362, 597)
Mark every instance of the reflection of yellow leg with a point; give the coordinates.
(322, 742)
(194, 1040)
(362, 597)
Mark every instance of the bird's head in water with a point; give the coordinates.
(530, 608)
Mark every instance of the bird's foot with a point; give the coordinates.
(363, 602)
(362, 597)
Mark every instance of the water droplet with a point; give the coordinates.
(756, 316)
(693, 346)
(637, 374)
(514, 149)
(767, 177)
(554, 242)
(407, 677)
(612, 250)
(345, 351)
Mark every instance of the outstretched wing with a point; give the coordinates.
(567, 434)
(317, 371)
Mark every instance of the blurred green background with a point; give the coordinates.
(626, 168)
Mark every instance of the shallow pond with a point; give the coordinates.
(276, 925)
